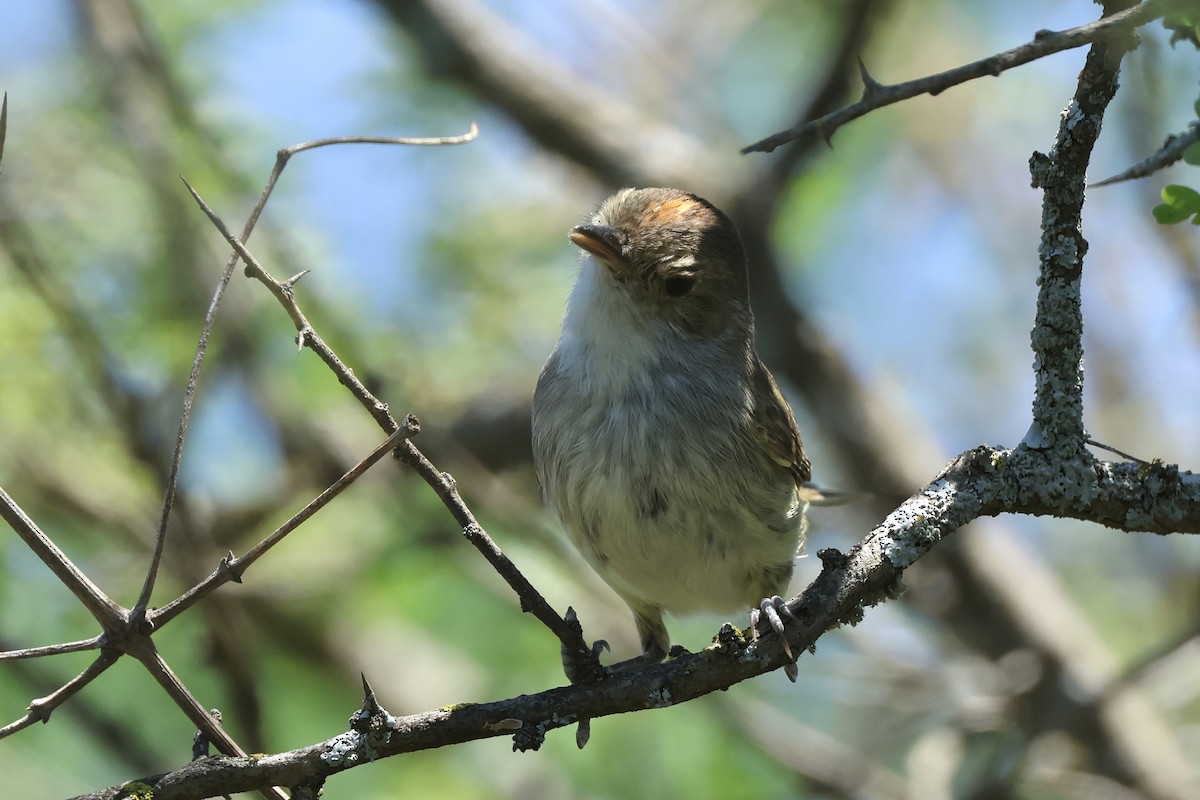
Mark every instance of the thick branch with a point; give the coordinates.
(1057, 337)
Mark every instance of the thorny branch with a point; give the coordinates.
(1045, 42)
(985, 481)
(210, 318)
(1171, 151)
(569, 633)
(130, 631)
(1033, 478)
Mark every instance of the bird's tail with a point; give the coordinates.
(816, 495)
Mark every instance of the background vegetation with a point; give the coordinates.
(439, 274)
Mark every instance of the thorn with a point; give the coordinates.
(583, 733)
(291, 282)
(368, 692)
(3, 123)
(871, 87)
(227, 565)
(39, 711)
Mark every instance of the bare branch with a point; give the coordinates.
(846, 586)
(1044, 43)
(100, 605)
(569, 634)
(53, 649)
(41, 708)
(429, 141)
(1171, 151)
(185, 417)
(231, 569)
(209, 319)
(3, 125)
(306, 336)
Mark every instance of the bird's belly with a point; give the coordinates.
(688, 538)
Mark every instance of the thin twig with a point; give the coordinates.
(877, 95)
(1115, 451)
(306, 335)
(3, 124)
(41, 708)
(53, 649)
(108, 613)
(531, 600)
(206, 330)
(189, 396)
(432, 141)
(1171, 151)
(231, 569)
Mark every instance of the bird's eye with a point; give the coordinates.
(678, 285)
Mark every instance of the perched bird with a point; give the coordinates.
(661, 441)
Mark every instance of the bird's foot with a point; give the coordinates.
(583, 666)
(775, 609)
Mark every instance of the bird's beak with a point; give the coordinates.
(602, 242)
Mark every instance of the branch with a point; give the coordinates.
(1171, 151)
(979, 482)
(279, 288)
(231, 569)
(877, 95)
(569, 632)
(846, 585)
(3, 125)
(99, 604)
(863, 432)
(1057, 336)
(53, 649)
(41, 708)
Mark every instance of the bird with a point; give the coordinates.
(661, 441)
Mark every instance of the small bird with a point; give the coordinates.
(661, 441)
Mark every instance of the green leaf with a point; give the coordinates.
(1168, 215)
(1192, 154)
(1181, 197)
(1179, 203)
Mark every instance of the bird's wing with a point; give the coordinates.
(776, 426)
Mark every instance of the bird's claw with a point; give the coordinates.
(775, 609)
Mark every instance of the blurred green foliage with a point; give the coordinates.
(439, 277)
